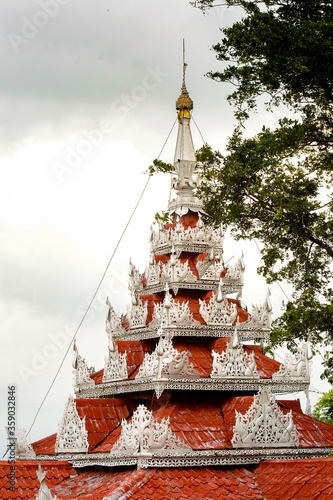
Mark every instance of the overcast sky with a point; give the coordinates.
(87, 94)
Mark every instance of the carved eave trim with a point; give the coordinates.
(189, 458)
(191, 384)
(185, 246)
(200, 284)
(245, 331)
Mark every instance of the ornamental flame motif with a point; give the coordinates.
(23, 447)
(261, 315)
(166, 361)
(115, 365)
(113, 321)
(176, 313)
(143, 434)
(235, 274)
(137, 315)
(264, 425)
(81, 371)
(218, 311)
(72, 435)
(44, 492)
(296, 366)
(234, 362)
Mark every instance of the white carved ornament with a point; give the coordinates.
(179, 235)
(142, 434)
(234, 362)
(137, 314)
(264, 425)
(23, 446)
(296, 366)
(81, 371)
(172, 312)
(115, 365)
(166, 362)
(44, 492)
(72, 436)
(261, 315)
(218, 311)
(235, 274)
(113, 321)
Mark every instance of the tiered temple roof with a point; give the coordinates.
(183, 408)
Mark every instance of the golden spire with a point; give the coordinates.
(184, 103)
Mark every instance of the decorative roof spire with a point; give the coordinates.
(185, 159)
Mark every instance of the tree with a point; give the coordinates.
(323, 409)
(277, 185)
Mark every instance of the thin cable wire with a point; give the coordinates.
(98, 287)
(195, 123)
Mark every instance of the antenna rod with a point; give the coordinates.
(184, 66)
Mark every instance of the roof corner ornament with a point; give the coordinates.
(143, 435)
(44, 492)
(113, 324)
(72, 436)
(234, 362)
(264, 425)
(82, 374)
(23, 446)
(296, 366)
(115, 365)
(261, 315)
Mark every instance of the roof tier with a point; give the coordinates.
(303, 479)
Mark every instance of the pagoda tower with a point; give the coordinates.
(184, 387)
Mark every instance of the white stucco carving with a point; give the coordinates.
(261, 315)
(44, 492)
(264, 425)
(115, 365)
(296, 366)
(172, 312)
(113, 321)
(235, 274)
(218, 311)
(166, 362)
(234, 362)
(137, 314)
(23, 446)
(72, 436)
(143, 434)
(81, 371)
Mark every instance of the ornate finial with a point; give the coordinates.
(184, 103)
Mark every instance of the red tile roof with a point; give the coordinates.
(209, 425)
(26, 481)
(204, 424)
(308, 479)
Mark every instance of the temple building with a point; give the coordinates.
(185, 406)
